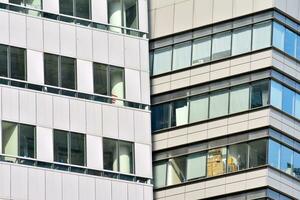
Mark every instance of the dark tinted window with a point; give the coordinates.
(17, 63)
(51, 69)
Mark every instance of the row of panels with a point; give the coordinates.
(55, 112)
(73, 41)
(35, 184)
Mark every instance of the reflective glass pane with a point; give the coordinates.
(221, 46)
(259, 94)
(114, 14)
(160, 174)
(237, 157)
(261, 37)
(274, 154)
(162, 60)
(27, 141)
(288, 101)
(290, 42)
(276, 94)
(297, 106)
(130, 13)
(10, 141)
(239, 99)
(83, 8)
(3, 60)
(100, 79)
(37, 4)
(196, 165)
(257, 153)
(51, 69)
(125, 157)
(201, 50)
(117, 82)
(160, 116)
(296, 169)
(68, 73)
(19, 2)
(176, 170)
(17, 63)
(286, 159)
(77, 149)
(218, 104)
(182, 55)
(179, 115)
(278, 36)
(60, 142)
(66, 7)
(241, 40)
(216, 162)
(298, 47)
(198, 108)
(110, 154)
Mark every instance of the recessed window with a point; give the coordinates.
(176, 170)
(261, 37)
(274, 154)
(182, 55)
(198, 108)
(257, 153)
(221, 46)
(196, 165)
(179, 114)
(69, 148)
(162, 60)
(239, 99)
(241, 40)
(278, 36)
(216, 162)
(297, 106)
(276, 94)
(77, 8)
(60, 71)
(286, 159)
(296, 164)
(100, 79)
(118, 156)
(37, 4)
(237, 157)
(288, 100)
(160, 174)
(18, 139)
(218, 104)
(160, 116)
(290, 42)
(201, 50)
(116, 76)
(259, 94)
(3, 61)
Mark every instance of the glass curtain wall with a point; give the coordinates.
(77, 8)
(36, 4)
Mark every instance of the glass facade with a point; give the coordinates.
(77, 8)
(36, 4)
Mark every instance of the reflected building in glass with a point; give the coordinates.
(225, 99)
(75, 115)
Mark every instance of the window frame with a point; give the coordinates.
(74, 9)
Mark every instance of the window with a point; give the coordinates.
(286, 159)
(290, 42)
(218, 104)
(179, 114)
(241, 40)
(201, 50)
(116, 76)
(182, 55)
(3, 61)
(276, 94)
(100, 79)
(237, 157)
(69, 147)
(274, 154)
(160, 174)
(261, 37)
(162, 60)
(297, 106)
(37, 4)
(17, 63)
(257, 153)
(239, 99)
(278, 36)
(18, 139)
(296, 168)
(221, 46)
(60, 71)
(288, 101)
(216, 162)
(123, 13)
(78, 8)
(176, 170)
(196, 166)
(118, 156)
(259, 94)
(298, 47)
(160, 116)
(198, 108)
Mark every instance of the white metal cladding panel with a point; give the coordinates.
(77, 116)
(145, 88)
(142, 127)
(17, 31)
(132, 53)
(61, 114)
(70, 187)
(45, 110)
(143, 158)
(99, 11)
(5, 179)
(144, 55)
(19, 182)
(27, 107)
(116, 49)
(94, 152)
(103, 189)
(35, 67)
(100, 46)
(67, 40)
(85, 76)
(87, 188)
(53, 185)
(34, 33)
(119, 191)
(4, 33)
(148, 193)
(44, 144)
(93, 119)
(110, 121)
(36, 184)
(133, 85)
(143, 15)
(126, 125)
(51, 37)
(84, 43)
(10, 104)
(135, 192)
(51, 6)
